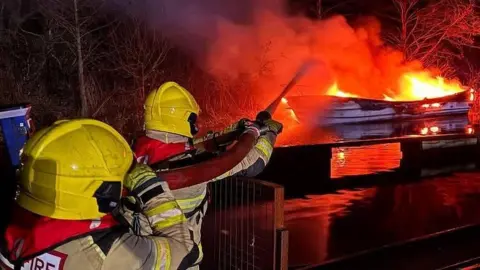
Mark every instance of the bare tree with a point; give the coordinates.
(325, 8)
(139, 57)
(78, 46)
(74, 24)
(437, 32)
(472, 76)
(408, 22)
(13, 13)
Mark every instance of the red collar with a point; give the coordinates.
(29, 234)
(151, 151)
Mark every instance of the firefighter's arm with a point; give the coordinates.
(169, 245)
(258, 157)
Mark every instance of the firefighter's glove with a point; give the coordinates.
(272, 126)
(251, 127)
(139, 175)
(143, 184)
(235, 126)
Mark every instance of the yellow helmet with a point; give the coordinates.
(171, 108)
(73, 170)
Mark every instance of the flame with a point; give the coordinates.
(334, 91)
(424, 131)
(413, 86)
(420, 85)
(387, 98)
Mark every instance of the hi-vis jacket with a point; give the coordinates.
(160, 146)
(40, 243)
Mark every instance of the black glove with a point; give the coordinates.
(272, 126)
(251, 126)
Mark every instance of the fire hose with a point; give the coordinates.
(245, 141)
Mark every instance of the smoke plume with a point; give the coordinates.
(234, 38)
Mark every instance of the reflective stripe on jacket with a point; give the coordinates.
(166, 245)
(191, 198)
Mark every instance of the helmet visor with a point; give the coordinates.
(108, 195)
(192, 120)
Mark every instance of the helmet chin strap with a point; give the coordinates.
(166, 137)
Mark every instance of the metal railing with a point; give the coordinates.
(244, 226)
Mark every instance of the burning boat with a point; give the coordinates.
(331, 110)
(417, 95)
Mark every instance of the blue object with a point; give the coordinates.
(16, 127)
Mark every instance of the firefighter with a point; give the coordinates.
(70, 186)
(170, 123)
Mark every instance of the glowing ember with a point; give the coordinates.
(413, 86)
(433, 105)
(434, 129)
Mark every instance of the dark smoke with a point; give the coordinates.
(231, 38)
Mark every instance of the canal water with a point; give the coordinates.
(323, 227)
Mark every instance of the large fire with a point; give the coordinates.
(413, 86)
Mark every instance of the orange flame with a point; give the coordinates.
(334, 91)
(387, 98)
(472, 95)
(413, 86)
(421, 85)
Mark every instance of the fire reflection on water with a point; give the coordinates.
(324, 227)
(315, 213)
(365, 160)
(350, 221)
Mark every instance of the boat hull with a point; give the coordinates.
(324, 111)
